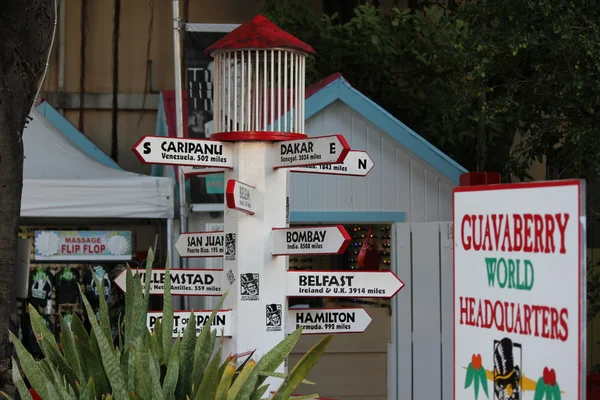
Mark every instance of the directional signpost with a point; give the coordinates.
(201, 170)
(313, 151)
(356, 163)
(222, 322)
(241, 197)
(200, 244)
(355, 284)
(255, 162)
(184, 282)
(315, 321)
(178, 151)
(309, 240)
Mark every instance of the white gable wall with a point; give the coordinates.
(399, 181)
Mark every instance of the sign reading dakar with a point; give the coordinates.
(517, 291)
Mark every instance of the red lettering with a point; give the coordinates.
(550, 248)
(553, 323)
(527, 239)
(517, 232)
(463, 310)
(466, 243)
(496, 226)
(564, 315)
(545, 324)
(507, 238)
(527, 310)
(562, 227)
(539, 233)
(499, 321)
(487, 236)
(477, 234)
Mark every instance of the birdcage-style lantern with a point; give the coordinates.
(259, 83)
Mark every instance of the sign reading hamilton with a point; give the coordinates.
(517, 285)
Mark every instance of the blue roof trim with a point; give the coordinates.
(347, 217)
(341, 90)
(74, 136)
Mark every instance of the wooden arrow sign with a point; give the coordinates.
(309, 240)
(222, 322)
(315, 321)
(355, 284)
(356, 163)
(179, 151)
(200, 244)
(184, 282)
(313, 151)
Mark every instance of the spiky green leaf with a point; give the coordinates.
(19, 383)
(109, 359)
(301, 370)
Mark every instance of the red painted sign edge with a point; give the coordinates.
(230, 197)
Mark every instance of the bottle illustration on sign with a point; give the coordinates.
(249, 286)
(507, 375)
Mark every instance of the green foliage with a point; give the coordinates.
(148, 366)
(527, 68)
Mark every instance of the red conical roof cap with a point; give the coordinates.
(258, 33)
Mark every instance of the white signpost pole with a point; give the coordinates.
(256, 293)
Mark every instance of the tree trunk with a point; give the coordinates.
(26, 28)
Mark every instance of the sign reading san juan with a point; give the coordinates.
(331, 320)
(178, 151)
(313, 151)
(200, 244)
(356, 163)
(181, 319)
(518, 292)
(381, 284)
(184, 282)
(309, 240)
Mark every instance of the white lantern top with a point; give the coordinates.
(259, 83)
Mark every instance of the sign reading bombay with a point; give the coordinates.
(518, 300)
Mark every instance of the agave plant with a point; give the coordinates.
(149, 366)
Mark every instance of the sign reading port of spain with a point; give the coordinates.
(382, 284)
(309, 240)
(200, 244)
(181, 319)
(314, 321)
(178, 151)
